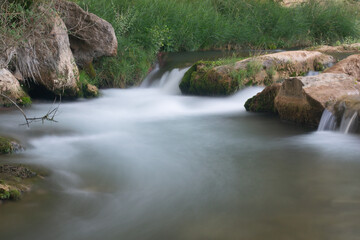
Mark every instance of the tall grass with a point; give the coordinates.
(145, 27)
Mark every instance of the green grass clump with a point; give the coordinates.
(5, 146)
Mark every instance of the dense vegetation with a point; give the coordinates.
(146, 27)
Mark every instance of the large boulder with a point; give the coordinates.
(90, 36)
(49, 60)
(204, 79)
(10, 86)
(303, 99)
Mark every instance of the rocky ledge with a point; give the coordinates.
(303, 99)
(204, 79)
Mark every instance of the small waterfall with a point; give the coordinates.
(327, 122)
(147, 81)
(312, 73)
(348, 123)
(168, 82)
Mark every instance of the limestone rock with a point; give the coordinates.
(349, 66)
(53, 66)
(10, 86)
(261, 70)
(303, 99)
(90, 36)
(355, 47)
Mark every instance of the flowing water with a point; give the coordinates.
(148, 163)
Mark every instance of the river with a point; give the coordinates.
(148, 163)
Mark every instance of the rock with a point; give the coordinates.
(203, 79)
(16, 179)
(53, 66)
(303, 99)
(349, 66)
(90, 36)
(347, 112)
(10, 86)
(8, 145)
(264, 101)
(90, 91)
(339, 49)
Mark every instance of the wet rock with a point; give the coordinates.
(262, 70)
(347, 113)
(264, 101)
(16, 179)
(8, 145)
(10, 86)
(90, 91)
(90, 36)
(303, 99)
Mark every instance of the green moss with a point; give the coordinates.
(202, 80)
(5, 146)
(4, 195)
(25, 101)
(319, 66)
(14, 194)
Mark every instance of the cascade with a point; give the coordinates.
(327, 122)
(348, 123)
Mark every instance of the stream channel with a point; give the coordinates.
(148, 163)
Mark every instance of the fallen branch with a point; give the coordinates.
(49, 116)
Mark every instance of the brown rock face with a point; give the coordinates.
(349, 66)
(264, 101)
(53, 66)
(90, 36)
(355, 47)
(10, 86)
(303, 99)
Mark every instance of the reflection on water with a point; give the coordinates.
(143, 164)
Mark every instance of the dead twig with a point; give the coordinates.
(49, 116)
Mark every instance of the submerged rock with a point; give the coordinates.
(90, 36)
(203, 79)
(10, 86)
(16, 179)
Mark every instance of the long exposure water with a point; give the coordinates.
(146, 163)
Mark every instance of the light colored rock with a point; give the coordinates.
(303, 99)
(90, 36)
(53, 65)
(339, 49)
(349, 66)
(10, 86)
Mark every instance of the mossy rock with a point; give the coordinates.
(202, 80)
(6, 146)
(15, 179)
